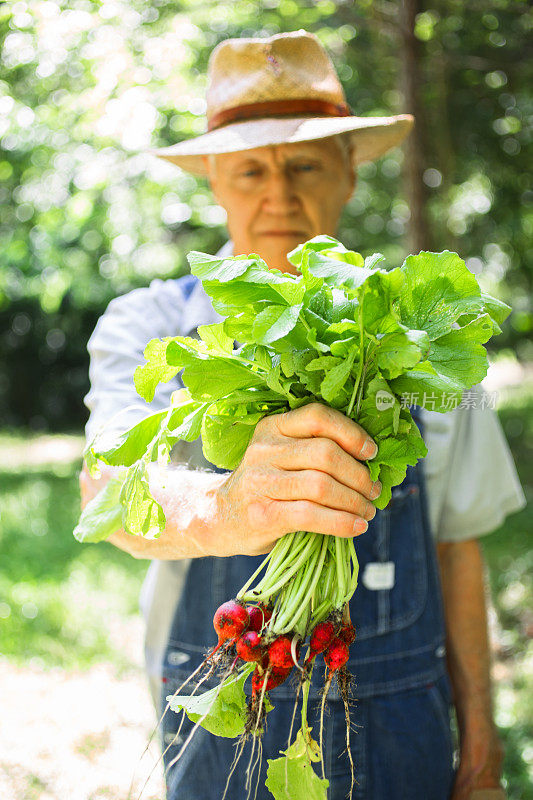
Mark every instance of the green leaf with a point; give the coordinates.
(377, 298)
(287, 364)
(372, 261)
(379, 411)
(439, 288)
(142, 515)
(290, 288)
(274, 322)
(337, 273)
(216, 377)
(425, 387)
(240, 325)
(312, 339)
(344, 326)
(311, 381)
(156, 370)
(343, 347)
(182, 351)
(336, 378)
(327, 246)
(400, 351)
(319, 306)
(225, 437)
(277, 383)
(256, 284)
(300, 253)
(340, 253)
(261, 355)
(216, 338)
(208, 267)
(292, 777)
(390, 464)
(129, 446)
(222, 710)
(185, 421)
(460, 355)
(498, 310)
(322, 363)
(231, 298)
(102, 515)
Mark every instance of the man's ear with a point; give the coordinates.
(353, 184)
(211, 178)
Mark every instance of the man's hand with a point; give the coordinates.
(481, 757)
(301, 471)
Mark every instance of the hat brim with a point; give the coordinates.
(371, 136)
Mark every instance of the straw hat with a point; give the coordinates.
(275, 90)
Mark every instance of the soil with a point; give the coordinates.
(76, 735)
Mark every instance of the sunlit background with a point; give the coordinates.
(86, 87)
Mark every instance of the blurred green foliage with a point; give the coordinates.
(87, 86)
(54, 593)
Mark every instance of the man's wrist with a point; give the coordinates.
(190, 504)
(474, 709)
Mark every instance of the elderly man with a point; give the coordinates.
(280, 156)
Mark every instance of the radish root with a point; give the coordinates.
(321, 732)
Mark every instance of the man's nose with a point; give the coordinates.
(280, 194)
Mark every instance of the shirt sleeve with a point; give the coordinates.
(116, 348)
(482, 485)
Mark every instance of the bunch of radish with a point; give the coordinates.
(249, 645)
(246, 629)
(283, 623)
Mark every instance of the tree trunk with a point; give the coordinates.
(415, 153)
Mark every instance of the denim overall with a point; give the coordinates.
(401, 741)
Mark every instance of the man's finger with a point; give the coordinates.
(328, 457)
(316, 419)
(311, 484)
(304, 515)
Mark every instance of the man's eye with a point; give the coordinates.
(250, 173)
(305, 167)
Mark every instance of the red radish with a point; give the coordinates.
(337, 654)
(230, 620)
(250, 647)
(259, 616)
(275, 678)
(321, 638)
(279, 653)
(264, 660)
(347, 633)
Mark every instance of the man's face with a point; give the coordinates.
(279, 196)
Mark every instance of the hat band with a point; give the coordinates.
(273, 108)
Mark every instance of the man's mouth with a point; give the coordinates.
(282, 233)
